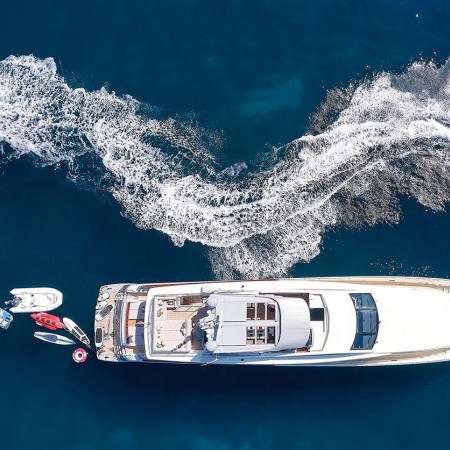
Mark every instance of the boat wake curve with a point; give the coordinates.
(390, 136)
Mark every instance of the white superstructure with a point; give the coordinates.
(313, 322)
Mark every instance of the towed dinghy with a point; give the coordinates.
(5, 319)
(53, 338)
(73, 328)
(30, 300)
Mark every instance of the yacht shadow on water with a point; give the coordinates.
(232, 379)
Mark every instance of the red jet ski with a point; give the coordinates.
(48, 321)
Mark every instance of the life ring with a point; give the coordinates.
(80, 355)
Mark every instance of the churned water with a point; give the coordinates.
(176, 141)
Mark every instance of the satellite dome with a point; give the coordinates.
(212, 301)
(211, 346)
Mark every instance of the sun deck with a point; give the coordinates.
(174, 320)
(142, 326)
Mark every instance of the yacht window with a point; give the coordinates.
(271, 335)
(251, 336)
(261, 311)
(270, 312)
(363, 300)
(366, 321)
(251, 311)
(363, 342)
(261, 335)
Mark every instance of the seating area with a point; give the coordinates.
(135, 319)
(172, 323)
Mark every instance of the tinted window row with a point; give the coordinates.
(366, 321)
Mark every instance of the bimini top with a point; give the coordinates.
(237, 323)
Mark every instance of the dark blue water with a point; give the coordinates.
(255, 71)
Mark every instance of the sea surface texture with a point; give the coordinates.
(193, 140)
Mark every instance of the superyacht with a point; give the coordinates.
(346, 321)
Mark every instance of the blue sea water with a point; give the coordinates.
(244, 79)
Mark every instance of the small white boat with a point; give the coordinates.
(100, 305)
(104, 312)
(73, 328)
(30, 300)
(53, 338)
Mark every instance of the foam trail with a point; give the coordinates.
(385, 137)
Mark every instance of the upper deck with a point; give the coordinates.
(225, 323)
(155, 320)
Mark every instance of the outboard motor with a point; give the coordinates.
(13, 302)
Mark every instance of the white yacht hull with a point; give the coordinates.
(393, 347)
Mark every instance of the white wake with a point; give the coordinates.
(368, 144)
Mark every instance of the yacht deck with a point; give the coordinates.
(122, 337)
(174, 320)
